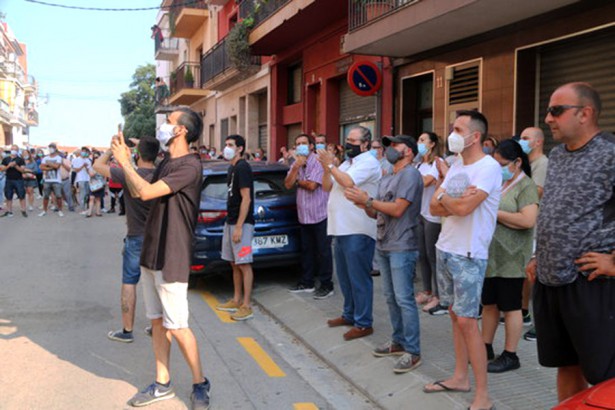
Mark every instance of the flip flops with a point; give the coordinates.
(444, 388)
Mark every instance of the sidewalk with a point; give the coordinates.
(530, 387)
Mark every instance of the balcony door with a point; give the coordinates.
(417, 104)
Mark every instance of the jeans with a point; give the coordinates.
(84, 193)
(2, 182)
(427, 234)
(67, 193)
(131, 258)
(316, 255)
(354, 255)
(398, 270)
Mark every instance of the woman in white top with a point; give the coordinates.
(429, 226)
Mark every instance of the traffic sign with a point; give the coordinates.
(364, 78)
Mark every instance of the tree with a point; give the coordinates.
(137, 104)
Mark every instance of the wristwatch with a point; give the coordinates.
(369, 203)
(331, 166)
(440, 195)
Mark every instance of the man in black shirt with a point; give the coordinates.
(239, 228)
(14, 166)
(167, 249)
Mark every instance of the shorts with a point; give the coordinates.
(98, 194)
(238, 253)
(57, 189)
(168, 301)
(115, 190)
(575, 326)
(131, 256)
(14, 186)
(460, 282)
(506, 293)
(30, 183)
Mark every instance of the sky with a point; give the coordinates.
(83, 60)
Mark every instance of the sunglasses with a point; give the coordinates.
(557, 110)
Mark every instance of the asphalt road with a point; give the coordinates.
(59, 296)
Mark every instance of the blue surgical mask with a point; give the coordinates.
(488, 150)
(374, 153)
(422, 149)
(506, 173)
(525, 146)
(303, 150)
(321, 146)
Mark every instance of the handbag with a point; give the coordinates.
(96, 184)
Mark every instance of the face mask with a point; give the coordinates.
(257, 155)
(228, 153)
(321, 146)
(14, 153)
(26, 156)
(303, 150)
(392, 155)
(422, 149)
(39, 155)
(456, 143)
(212, 153)
(165, 134)
(506, 174)
(52, 150)
(84, 154)
(488, 150)
(352, 150)
(374, 153)
(525, 146)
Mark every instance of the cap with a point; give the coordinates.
(404, 139)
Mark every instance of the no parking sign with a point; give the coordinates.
(364, 78)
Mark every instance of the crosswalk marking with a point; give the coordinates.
(261, 357)
(213, 302)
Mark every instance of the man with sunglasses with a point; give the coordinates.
(573, 309)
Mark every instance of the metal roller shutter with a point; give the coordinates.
(589, 58)
(354, 108)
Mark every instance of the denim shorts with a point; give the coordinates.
(56, 187)
(131, 256)
(460, 282)
(14, 186)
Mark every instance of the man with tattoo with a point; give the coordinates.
(136, 215)
(167, 247)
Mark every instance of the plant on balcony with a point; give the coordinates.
(188, 77)
(238, 46)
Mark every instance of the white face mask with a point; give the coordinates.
(165, 134)
(456, 142)
(228, 153)
(14, 152)
(52, 150)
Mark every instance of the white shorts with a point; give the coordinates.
(168, 301)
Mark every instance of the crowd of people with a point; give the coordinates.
(484, 223)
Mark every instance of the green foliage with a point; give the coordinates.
(137, 104)
(188, 77)
(238, 47)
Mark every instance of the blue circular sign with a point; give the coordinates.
(364, 78)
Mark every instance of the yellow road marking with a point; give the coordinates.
(261, 357)
(213, 302)
(305, 406)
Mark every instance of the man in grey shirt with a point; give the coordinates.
(574, 311)
(397, 209)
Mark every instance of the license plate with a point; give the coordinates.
(268, 242)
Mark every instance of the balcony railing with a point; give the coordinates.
(361, 12)
(178, 78)
(217, 60)
(177, 7)
(258, 10)
(32, 118)
(165, 44)
(5, 109)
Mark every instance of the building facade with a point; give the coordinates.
(18, 91)
(484, 54)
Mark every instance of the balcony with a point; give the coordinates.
(186, 20)
(401, 28)
(5, 111)
(32, 119)
(184, 91)
(30, 85)
(282, 24)
(217, 71)
(166, 49)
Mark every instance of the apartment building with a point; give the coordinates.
(503, 58)
(18, 90)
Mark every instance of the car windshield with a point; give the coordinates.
(266, 185)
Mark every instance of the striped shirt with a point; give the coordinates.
(311, 205)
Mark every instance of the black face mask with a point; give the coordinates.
(352, 150)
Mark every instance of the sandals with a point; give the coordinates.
(444, 388)
(422, 298)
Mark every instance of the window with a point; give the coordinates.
(295, 77)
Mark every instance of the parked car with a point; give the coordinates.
(276, 232)
(599, 397)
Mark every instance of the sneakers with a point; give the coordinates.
(151, 394)
(8, 214)
(300, 288)
(120, 336)
(30, 208)
(432, 303)
(199, 399)
(530, 335)
(24, 214)
(503, 363)
(60, 214)
(228, 306)
(148, 331)
(323, 293)
(42, 213)
(243, 313)
(438, 310)
(388, 349)
(407, 363)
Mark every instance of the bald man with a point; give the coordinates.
(538, 160)
(574, 313)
